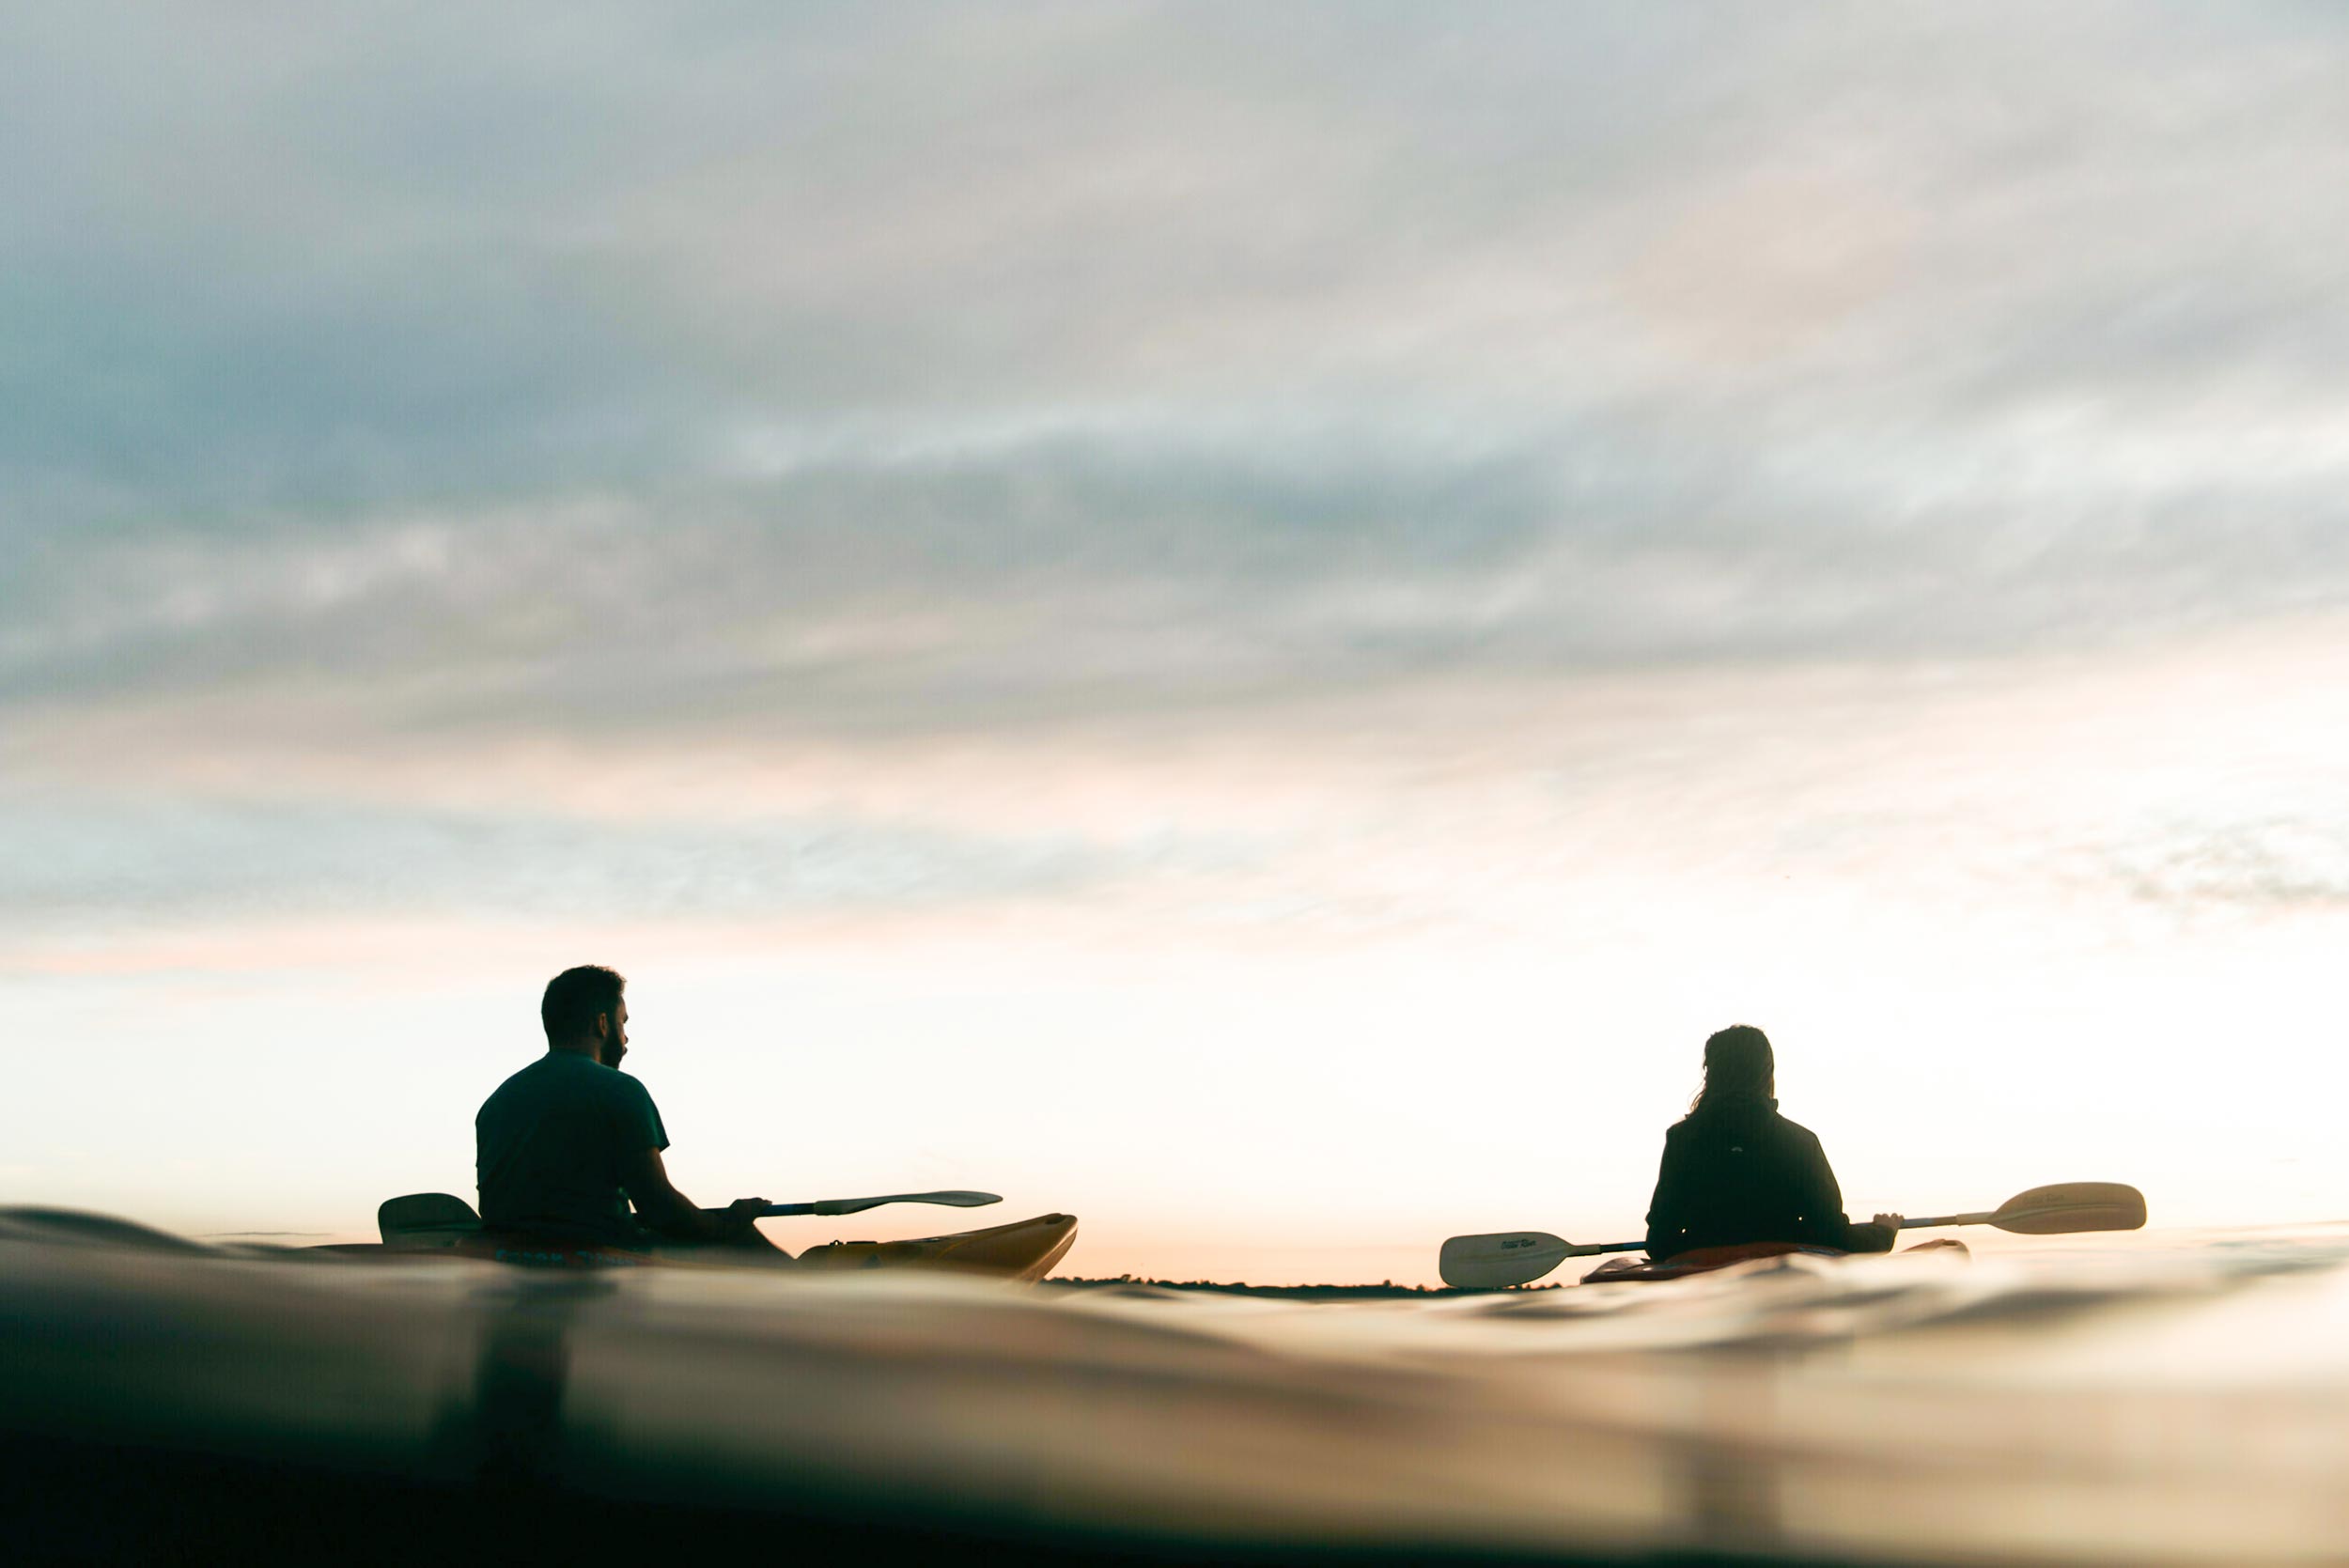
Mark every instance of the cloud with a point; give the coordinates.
(1070, 576)
(2275, 865)
(895, 371)
(194, 862)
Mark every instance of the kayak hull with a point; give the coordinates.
(1025, 1250)
(1706, 1259)
(436, 1225)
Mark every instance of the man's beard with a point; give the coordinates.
(610, 1053)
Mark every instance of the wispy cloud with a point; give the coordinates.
(2277, 865)
(129, 859)
(887, 369)
(707, 383)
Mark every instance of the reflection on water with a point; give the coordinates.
(515, 1417)
(2187, 1402)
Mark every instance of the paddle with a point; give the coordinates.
(431, 1215)
(858, 1205)
(1505, 1258)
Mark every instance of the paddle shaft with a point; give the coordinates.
(1596, 1249)
(1509, 1258)
(1593, 1248)
(1981, 1217)
(1921, 1222)
(1927, 1221)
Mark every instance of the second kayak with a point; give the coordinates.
(1704, 1260)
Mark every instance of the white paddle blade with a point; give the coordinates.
(2068, 1207)
(953, 1200)
(1499, 1260)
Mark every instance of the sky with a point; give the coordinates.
(1247, 623)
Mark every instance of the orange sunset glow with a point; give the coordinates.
(1250, 631)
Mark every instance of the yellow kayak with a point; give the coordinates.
(436, 1224)
(1026, 1250)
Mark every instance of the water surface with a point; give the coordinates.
(2181, 1398)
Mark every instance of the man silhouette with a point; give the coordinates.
(564, 1147)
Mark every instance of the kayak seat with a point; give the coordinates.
(421, 1221)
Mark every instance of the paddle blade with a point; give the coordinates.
(953, 1200)
(1499, 1260)
(2071, 1206)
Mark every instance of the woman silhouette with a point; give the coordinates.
(1735, 1172)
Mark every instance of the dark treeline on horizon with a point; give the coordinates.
(1384, 1288)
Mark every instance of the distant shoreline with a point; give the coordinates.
(1383, 1291)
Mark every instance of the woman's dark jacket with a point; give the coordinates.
(1736, 1170)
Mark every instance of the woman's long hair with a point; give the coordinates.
(1737, 1066)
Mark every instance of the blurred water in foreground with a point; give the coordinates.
(2170, 1400)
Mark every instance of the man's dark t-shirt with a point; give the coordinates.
(552, 1147)
(1736, 1170)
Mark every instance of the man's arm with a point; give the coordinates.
(672, 1213)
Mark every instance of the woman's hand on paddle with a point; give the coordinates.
(1874, 1236)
